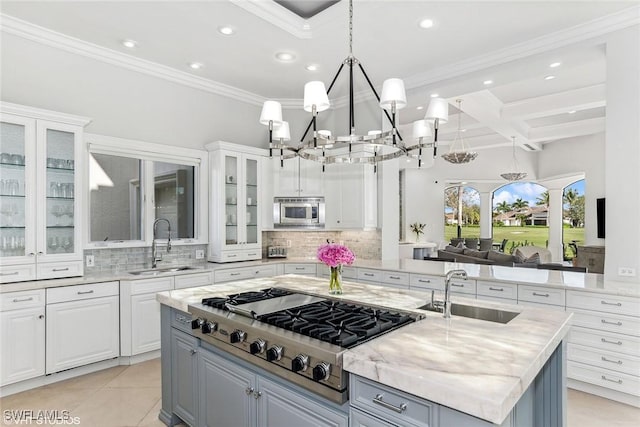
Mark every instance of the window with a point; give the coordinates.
(174, 197)
(572, 219)
(461, 212)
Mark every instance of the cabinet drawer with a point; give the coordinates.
(394, 278)
(369, 275)
(18, 273)
(423, 281)
(498, 290)
(147, 286)
(602, 302)
(80, 292)
(541, 305)
(253, 254)
(604, 378)
(607, 322)
(23, 299)
(541, 295)
(193, 280)
(181, 320)
(605, 340)
(391, 404)
(232, 256)
(347, 272)
(264, 271)
(604, 359)
(300, 269)
(362, 419)
(462, 286)
(233, 274)
(59, 269)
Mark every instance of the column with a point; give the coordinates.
(555, 224)
(486, 215)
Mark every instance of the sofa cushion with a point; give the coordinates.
(531, 259)
(454, 249)
(476, 254)
(500, 257)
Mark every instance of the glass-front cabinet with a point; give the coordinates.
(39, 201)
(235, 204)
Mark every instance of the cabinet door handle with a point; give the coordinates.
(232, 256)
(23, 299)
(496, 289)
(394, 277)
(85, 292)
(13, 273)
(611, 342)
(41, 316)
(424, 281)
(254, 254)
(399, 409)
(249, 390)
(234, 274)
(300, 268)
(617, 362)
(193, 351)
(40, 253)
(61, 269)
(535, 294)
(257, 394)
(368, 274)
(457, 285)
(610, 380)
(617, 304)
(31, 254)
(606, 322)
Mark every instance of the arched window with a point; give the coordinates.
(572, 218)
(521, 215)
(461, 212)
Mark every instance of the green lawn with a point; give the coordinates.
(532, 235)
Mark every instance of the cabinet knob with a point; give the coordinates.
(193, 351)
(41, 316)
(249, 390)
(257, 394)
(31, 254)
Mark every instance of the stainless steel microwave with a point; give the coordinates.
(303, 212)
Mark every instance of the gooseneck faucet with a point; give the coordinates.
(447, 289)
(154, 244)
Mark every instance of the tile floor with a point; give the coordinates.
(127, 396)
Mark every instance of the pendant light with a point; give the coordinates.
(515, 175)
(459, 152)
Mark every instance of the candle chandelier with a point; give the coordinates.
(515, 167)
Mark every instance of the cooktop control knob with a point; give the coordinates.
(237, 336)
(195, 324)
(208, 327)
(274, 353)
(257, 346)
(321, 371)
(300, 363)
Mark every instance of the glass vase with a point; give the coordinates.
(335, 280)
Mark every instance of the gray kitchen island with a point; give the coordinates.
(426, 371)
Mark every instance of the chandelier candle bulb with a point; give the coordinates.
(438, 112)
(271, 116)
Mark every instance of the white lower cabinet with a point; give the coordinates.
(241, 273)
(22, 332)
(140, 314)
(232, 395)
(82, 325)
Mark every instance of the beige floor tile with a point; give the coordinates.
(44, 398)
(94, 380)
(151, 419)
(117, 407)
(145, 374)
(587, 410)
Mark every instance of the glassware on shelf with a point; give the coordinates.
(10, 187)
(17, 159)
(53, 243)
(5, 158)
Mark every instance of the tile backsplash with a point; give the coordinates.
(304, 244)
(128, 259)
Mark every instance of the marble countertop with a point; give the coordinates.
(547, 278)
(477, 367)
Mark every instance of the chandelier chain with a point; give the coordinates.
(350, 28)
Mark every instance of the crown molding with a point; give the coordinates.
(42, 114)
(29, 31)
(277, 15)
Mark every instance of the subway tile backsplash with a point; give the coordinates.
(129, 259)
(304, 244)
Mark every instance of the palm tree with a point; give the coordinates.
(503, 207)
(570, 196)
(543, 199)
(519, 204)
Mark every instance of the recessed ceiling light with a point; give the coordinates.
(549, 77)
(196, 65)
(571, 112)
(131, 44)
(434, 95)
(426, 23)
(463, 130)
(487, 82)
(420, 107)
(311, 67)
(555, 64)
(226, 30)
(285, 56)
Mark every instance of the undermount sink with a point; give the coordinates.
(472, 312)
(156, 271)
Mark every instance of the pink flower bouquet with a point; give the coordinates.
(335, 255)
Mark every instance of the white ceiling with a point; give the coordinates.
(509, 42)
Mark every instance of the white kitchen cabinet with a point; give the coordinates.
(22, 332)
(236, 201)
(140, 314)
(301, 268)
(41, 193)
(297, 177)
(82, 325)
(241, 273)
(351, 196)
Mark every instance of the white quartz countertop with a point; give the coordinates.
(477, 367)
(548, 278)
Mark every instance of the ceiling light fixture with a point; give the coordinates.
(551, 77)
(434, 95)
(571, 112)
(420, 107)
(555, 64)
(285, 56)
(426, 23)
(487, 82)
(311, 67)
(463, 154)
(421, 130)
(514, 176)
(196, 65)
(131, 44)
(226, 30)
(352, 148)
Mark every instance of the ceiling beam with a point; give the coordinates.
(567, 130)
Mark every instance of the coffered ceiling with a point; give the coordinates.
(510, 43)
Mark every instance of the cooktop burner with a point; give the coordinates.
(244, 298)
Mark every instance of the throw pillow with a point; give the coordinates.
(460, 245)
(500, 258)
(532, 259)
(476, 254)
(454, 249)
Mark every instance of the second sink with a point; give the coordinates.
(156, 271)
(472, 312)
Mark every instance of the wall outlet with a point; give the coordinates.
(90, 261)
(288, 243)
(199, 253)
(626, 271)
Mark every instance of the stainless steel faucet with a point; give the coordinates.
(154, 245)
(447, 289)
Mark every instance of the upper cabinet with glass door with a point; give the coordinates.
(235, 202)
(40, 200)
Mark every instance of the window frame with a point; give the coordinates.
(148, 153)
